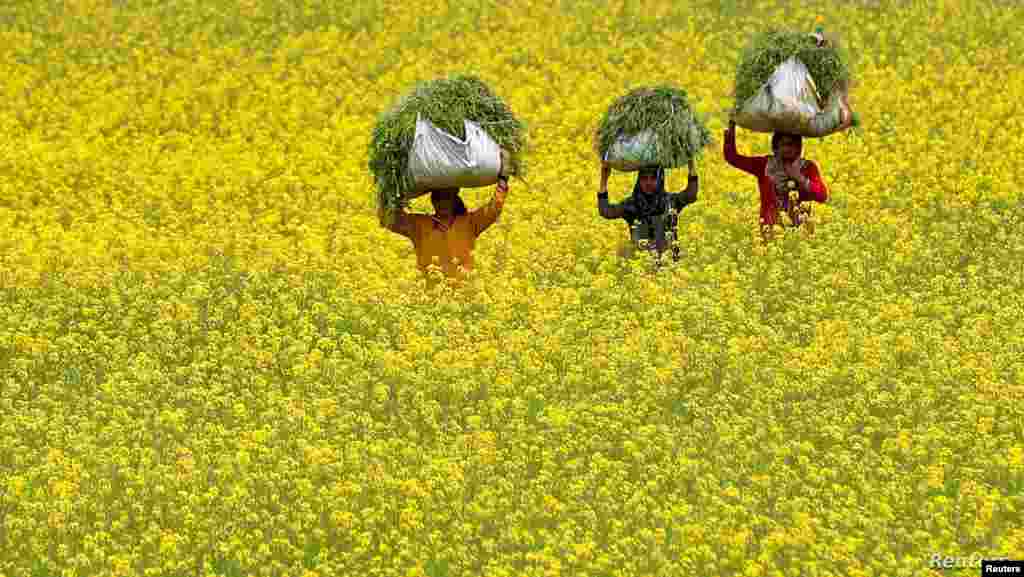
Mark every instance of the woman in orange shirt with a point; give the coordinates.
(447, 237)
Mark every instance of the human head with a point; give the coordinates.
(787, 146)
(648, 179)
(447, 202)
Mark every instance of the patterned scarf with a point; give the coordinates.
(648, 205)
(784, 187)
(648, 208)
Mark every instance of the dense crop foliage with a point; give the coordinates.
(213, 361)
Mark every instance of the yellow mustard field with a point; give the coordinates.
(215, 362)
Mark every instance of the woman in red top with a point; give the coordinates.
(784, 178)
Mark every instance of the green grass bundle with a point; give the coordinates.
(446, 103)
(665, 112)
(828, 64)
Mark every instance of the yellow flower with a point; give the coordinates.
(936, 477)
(1015, 456)
(201, 318)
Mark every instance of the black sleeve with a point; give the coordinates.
(687, 196)
(612, 211)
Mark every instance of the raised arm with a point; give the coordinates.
(688, 195)
(745, 163)
(483, 217)
(604, 208)
(609, 210)
(397, 221)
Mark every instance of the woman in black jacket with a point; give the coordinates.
(650, 211)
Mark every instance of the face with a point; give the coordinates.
(648, 182)
(789, 149)
(444, 203)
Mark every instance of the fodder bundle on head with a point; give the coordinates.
(823, 55)
(447, 103)
(793, 82)
(651, 126)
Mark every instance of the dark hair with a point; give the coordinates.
(459, 207)
(778, 136)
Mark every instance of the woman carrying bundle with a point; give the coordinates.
(792, 85)
(648, 211)
(446, 135)
(446, 238)
(784, 178)
(650, 130)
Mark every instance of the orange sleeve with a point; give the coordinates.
(483, 217)
(398, 221)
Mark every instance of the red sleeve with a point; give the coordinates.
(818, 192)
(752, 164)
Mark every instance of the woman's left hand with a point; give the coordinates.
(793, 171)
